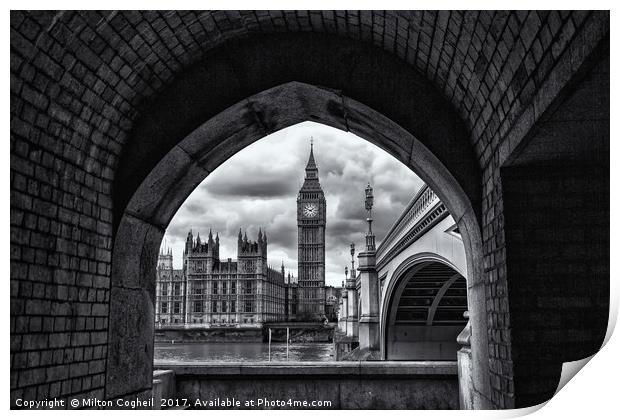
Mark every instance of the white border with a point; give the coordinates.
(591, 395)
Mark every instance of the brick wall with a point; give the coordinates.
(79, 80)
(553, 130)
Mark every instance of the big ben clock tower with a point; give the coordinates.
(311, 245)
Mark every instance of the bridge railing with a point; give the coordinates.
(416, 208)
(420, 216)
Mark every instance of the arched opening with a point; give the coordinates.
(171, 153)
(170, 182)
(220, 305)
(163, 192)
(425, 314)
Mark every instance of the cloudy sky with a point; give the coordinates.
(258, 187)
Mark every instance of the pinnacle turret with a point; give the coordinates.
(311, 180)
(311, 163)
(189, 242)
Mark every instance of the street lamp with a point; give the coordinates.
(369, 198)
(370, 238)
(352, 260)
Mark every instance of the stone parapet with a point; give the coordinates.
(340, 368)
(336, 385)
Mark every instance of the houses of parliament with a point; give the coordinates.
(213, 292)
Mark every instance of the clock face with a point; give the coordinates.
(310, 210)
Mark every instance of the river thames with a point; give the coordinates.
(242, 352)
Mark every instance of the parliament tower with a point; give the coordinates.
(311, 211)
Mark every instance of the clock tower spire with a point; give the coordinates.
(311, 211)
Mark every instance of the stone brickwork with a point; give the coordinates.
(81, 80)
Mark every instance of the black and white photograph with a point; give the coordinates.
(308, 209)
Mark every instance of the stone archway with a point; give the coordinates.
(243, 97)
(163, 191)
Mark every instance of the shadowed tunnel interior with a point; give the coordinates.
(427, 314)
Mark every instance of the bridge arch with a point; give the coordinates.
(170, 153)
(423, 280)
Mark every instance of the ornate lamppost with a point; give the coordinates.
(370, 238)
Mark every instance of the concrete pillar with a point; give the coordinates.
(465, 368)
(342, 314)
(369, 285)
(352, 316)
(369, 299)
(157, 393)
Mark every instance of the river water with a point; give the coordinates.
(242, 352)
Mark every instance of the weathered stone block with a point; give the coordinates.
(131, 333)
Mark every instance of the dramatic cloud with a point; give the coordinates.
(257, 188)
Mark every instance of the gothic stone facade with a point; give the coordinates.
(170, 292)
(209, 292)
(247, 292)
